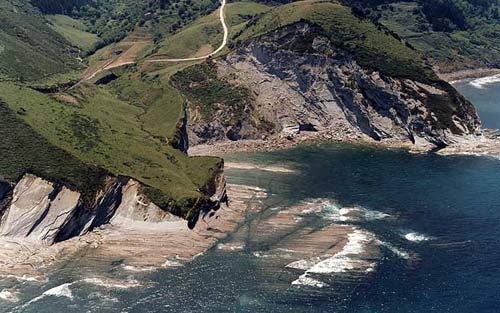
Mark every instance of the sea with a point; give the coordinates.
(433, 221)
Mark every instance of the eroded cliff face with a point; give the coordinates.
(40, 212)
(301, 82)
(42, 224)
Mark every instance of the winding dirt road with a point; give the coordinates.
(109, 65)
(222, 45)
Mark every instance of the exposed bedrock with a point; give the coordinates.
(37, 211)
(315, 86)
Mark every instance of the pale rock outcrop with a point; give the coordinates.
(43, 222)
(38, 210)
(307, 89)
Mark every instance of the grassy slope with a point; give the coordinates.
(369, 46)
(23, 150)
(477, 46)
(124, 127)
(105, 131)
(29, 49)
(207, 31)
(73, 30)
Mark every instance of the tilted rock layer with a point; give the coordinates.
(315, 87)
(40, 212)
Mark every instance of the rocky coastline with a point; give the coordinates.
(467, 74)
(42, 224)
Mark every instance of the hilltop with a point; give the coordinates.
(307, 66)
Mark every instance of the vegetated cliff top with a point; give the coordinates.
(132, 124)
(370, 46)
(453, 34)
(131, 127)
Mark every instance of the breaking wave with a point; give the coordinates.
(337, 213)
(481, 83)
(417, 237)
(352, 258)
(112, 283)
(58, 291)
(26, 278)
(9, 295)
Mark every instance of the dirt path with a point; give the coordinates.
(111, 64)
(222, 45)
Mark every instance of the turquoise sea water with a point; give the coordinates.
(485, 94)
(451, 203)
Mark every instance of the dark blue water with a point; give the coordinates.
(454, 201)
(486, 99)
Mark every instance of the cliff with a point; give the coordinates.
(41, 212)
(298, 80)
(43, 224)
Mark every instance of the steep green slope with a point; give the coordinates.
(98, 128)
(205, 34)
(455, 34)
(29, 49)
(131, 126)
(369, 46)
(74, 31)
(112, 20)
(23, 150)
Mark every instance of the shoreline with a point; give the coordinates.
(468, 74)
(141, 245)
(276, 143)
(485, 144)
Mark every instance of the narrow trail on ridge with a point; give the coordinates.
(109, 65)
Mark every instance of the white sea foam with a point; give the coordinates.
(417, 237)
(481, 83)
(397, 251)
(230, 247)
(136, 269)
(350, 258)
(260, 254)
(9, 295)
(112, 283)
(58, 291)
(170, 263)
(303, 264)
(351, 214)
(26, 278)
(305, 280)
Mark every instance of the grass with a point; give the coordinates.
(24, 150)
(74, 31)
(106, 132)
(161, 103)
(477, 46)
(205, 34)
(29, 49)
(370, 47)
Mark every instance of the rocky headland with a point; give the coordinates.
(317, 93)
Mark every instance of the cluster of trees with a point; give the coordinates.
(60, 6)
(443, 15)
(449, 15)
(112, 20)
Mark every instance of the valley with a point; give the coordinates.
(147, 146)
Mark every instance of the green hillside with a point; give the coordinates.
(74, 31)
(29, 49)
(455, 34)
(371, 47)
(128, 127)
